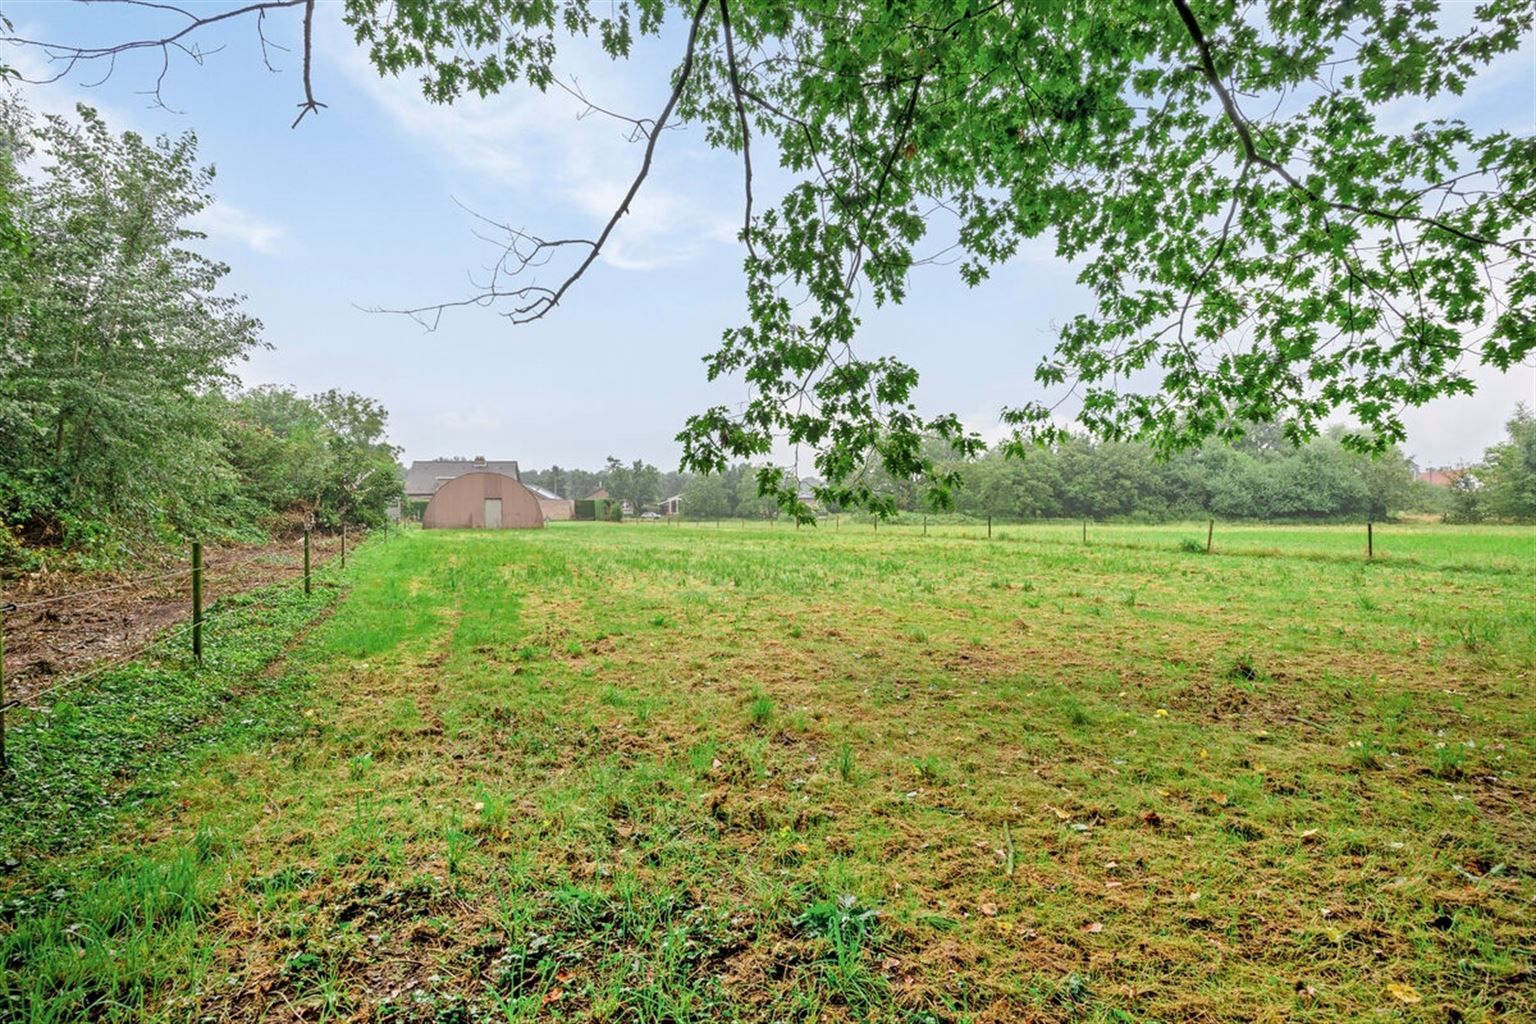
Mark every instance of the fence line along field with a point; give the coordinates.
(688, 773)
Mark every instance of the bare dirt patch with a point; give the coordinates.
(65, 624)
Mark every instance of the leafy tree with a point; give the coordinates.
(364, 476)
(706, 497)
(276, 440)
(639, 483)
(324, 456)
(117, 352)
(116, 335)
(1509, 470)
(1261, 243)
(1466, 503)
(751, 502)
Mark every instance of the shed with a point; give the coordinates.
(476, 500)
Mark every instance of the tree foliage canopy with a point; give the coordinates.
(1264, 237)
(117, 348)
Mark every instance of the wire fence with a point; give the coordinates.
(200, 621)
(77, 594)
(1498, 549)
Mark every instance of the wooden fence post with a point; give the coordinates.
(7, 607)
(343, 543)
(1085, 531)
(989, 527)
(306, 561)
(1370, 539)
(197, 603)
(925, 526)
(1210, 535)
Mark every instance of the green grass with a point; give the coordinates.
(666, 774)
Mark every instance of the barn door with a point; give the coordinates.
(493, 513)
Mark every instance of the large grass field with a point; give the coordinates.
(667, 774)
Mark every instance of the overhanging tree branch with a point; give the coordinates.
(539, 300)
(69, 57)
(1252, 155)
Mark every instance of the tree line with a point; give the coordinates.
(124, 422)
(1262, 476)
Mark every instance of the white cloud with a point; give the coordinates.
(538, 150)
(228, 222)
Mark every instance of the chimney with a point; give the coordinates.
(479, 461)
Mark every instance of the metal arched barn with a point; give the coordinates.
(489, 500)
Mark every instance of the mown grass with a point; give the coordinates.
(685, 773)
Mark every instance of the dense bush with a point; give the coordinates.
(117, 350)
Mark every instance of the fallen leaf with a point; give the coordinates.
(988, 909)
(1162, 712)
(1403, 993)
(553, 995)
(1220, 798)
(1094, 928)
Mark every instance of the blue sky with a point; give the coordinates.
(357, 208)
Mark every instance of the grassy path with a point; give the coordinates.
(677, 774)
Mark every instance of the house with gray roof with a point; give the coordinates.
(426, 475)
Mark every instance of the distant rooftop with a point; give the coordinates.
(426, 475)
(544, 492)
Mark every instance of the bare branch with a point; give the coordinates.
(640, 127)
(310, 104)
(68, 57)
(538, 300)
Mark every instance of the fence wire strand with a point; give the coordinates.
(32, 703)
(55, 598)
(214, 616)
